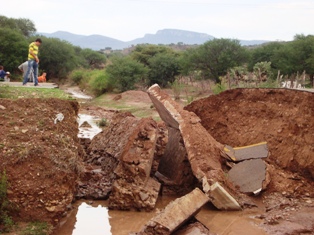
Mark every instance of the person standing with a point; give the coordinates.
(33, 61)
(23, 67)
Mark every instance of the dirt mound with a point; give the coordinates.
(136, 96)
(41, 155)
(283, 118)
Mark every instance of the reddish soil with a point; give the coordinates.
(41, 159)
(284, 118)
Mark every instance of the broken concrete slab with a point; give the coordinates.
(203, 151)
(176, 213)
(133, 187)
(255, 151)
(221, 199)
(138, 196)
(249, 175)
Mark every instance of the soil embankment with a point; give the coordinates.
(41, 156)
(284, 118)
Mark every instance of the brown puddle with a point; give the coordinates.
(93, 217)
(231, 222)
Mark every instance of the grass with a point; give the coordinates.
(37, 228)
(31, 92)
(141, 110)
(6, 222)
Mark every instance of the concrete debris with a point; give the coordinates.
(175, 214)
(249, 175)
(203, 152)
(221, 199)
(255, 151)
(119, 163)
(133, 182)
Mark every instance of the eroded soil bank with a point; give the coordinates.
(41, 155)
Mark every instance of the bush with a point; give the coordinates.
(103, 122)
(77, 75)
(99, 82)
(218, 88)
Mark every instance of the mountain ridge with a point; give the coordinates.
(164, 36)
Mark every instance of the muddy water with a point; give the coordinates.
(93, 217)
(76, 93)
(87, 132)
(232, 222)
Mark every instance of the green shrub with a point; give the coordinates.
(98, 82)
(77, 75)
(103, 122)
(218, 88)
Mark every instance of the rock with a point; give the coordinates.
(248, 175)
(254, 151)
(143, 196)
(132, 174)
(86, 125)
(2, 107)
(139, 196)
(51, 208)
(176, 213)
(222, 199)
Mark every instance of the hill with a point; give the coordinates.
(165, 36)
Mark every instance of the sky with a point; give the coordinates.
(125, 20)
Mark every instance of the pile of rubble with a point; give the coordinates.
(133, 161)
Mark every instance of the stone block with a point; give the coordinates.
(176, 213)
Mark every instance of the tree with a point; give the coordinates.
(142, 53)
(124, 72)
(163, 68)
(13, 49)
(93, 59)
(57, 58)
(296, 56)
(215, 57)
(265, 52)
(22, 25)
